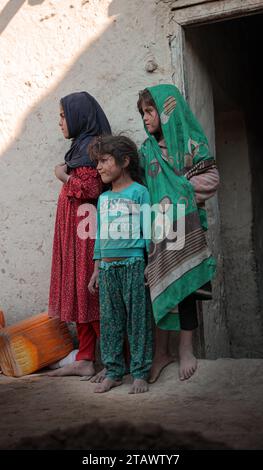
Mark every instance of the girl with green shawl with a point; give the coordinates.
(178, 169)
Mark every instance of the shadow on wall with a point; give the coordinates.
(11, 9)
(112, 68)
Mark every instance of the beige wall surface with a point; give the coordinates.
(50, 48)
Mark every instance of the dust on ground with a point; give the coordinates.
(220, 406)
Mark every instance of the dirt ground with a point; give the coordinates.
(220, 406)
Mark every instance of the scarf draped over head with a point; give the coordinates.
(85, 120)
(174, 271)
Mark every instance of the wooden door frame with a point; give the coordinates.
(191, 12)
(185, 13)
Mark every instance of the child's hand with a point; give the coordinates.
(94, 282)
(61, 172)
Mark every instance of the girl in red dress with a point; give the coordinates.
(81, 118)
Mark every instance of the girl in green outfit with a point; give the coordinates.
(178, 169)
(121, 242)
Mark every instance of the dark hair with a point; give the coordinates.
(119, 147)
(146, 98)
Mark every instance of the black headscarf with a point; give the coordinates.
(85, 120)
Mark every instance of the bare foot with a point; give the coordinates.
(159, 363)
(139, 386)
(99, 377)
(86, 378)
(82, 368)
(187, 360)
(188, 365)
(106, 385)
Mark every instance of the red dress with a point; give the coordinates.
(72, 261)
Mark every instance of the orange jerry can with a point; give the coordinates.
(2, 319)
(33, 343)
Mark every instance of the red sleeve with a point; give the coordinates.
(84, 183)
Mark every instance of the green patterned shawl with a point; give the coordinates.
(175, 274)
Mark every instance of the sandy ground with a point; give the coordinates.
(223, 402)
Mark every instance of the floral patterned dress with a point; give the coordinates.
(72, 261)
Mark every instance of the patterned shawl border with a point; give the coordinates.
(200, 167)
(192, 224)
(177, 273)
(167, 260)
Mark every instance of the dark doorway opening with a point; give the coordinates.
(229, 55)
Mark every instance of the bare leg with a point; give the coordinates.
(139, 386)
(162, 356)
(188, 362)
(82, 368)
(106, 385)
(99, 377)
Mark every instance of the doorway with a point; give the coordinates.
(223, 87)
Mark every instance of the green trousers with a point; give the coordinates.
(125, 309)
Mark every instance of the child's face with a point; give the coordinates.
(63, 123)
(108, 169)
(151, 118)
